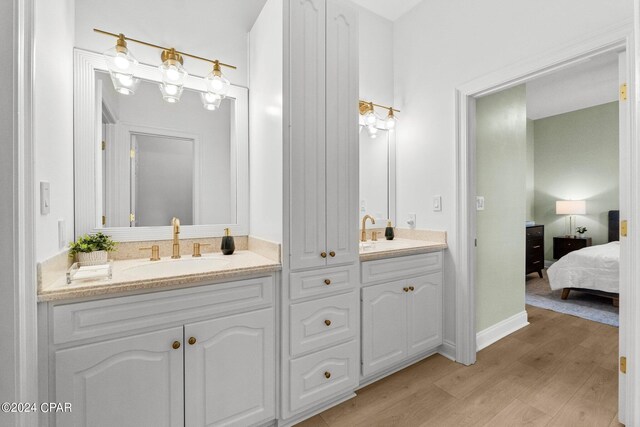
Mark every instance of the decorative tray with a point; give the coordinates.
(78, 272)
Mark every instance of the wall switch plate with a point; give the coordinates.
(411, 220)
(480, 203)
(437, 203)
(363, 206)
(45, 198)
(61, 235)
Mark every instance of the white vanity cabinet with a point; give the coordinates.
(191, 357)
(401, 319)
(324, 134)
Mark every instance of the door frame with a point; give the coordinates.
(618, 38)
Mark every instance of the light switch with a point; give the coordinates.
(480, 203)
(411, 221)
(45, 198)
(437, 203)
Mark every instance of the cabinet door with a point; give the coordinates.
(424, 312)
(134, 381)
(342, 143)
(230, 370)
(307, 142)
(384, 326)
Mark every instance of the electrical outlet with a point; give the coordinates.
(411, 220)
(437, 203)
(480, 203)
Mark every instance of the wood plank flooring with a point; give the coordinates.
(558, 371)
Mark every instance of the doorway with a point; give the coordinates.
(467, 222)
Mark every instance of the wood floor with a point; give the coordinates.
(558, 371)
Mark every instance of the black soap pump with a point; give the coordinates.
(388, 232)
(228, 245)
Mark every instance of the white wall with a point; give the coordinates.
(53, 120)
(8, 321)
(265, 124)
(443, 44)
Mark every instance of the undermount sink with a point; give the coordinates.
(177, 267)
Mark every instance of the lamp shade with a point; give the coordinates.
(571, 207)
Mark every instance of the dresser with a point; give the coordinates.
(564, 245)
(535, 249)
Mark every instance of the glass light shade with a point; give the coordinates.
(122, 65)
(373, 132)
(217, 84)
(210, 101)
(171, 93)
(370, 119)
(390, 122)
(571, 207)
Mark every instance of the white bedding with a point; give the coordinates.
(593, 267)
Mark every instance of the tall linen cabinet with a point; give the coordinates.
(320, 351)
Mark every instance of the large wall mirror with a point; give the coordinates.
(378, 175)
(141, 161)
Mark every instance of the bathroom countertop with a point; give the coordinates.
(134, 276)
(398, 247)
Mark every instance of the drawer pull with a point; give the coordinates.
(536, 262)
(327, 322)
(176, 345)
(411, 288)
(327, 281)
(405, 289)
(323, 254)
(192, 340)
(332, 254)
(536, 247)
(327, 374)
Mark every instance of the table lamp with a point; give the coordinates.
(571, 207)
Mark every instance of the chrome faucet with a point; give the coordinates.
(363, 234)
(175, 222)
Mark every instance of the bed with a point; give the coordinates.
(594, 269)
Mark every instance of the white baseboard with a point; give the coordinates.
(448, 350)
(501, 329)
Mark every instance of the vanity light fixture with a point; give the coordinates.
(367, 111)
(173, 75)
(121, 64)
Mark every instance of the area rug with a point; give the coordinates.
(580, 304)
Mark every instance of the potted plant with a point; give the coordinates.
(92, 249)
(581, 231)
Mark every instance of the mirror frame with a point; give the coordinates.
(87, 150)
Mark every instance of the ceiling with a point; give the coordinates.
(390, 9)
(587, 84)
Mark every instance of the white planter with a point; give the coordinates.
(92, 258)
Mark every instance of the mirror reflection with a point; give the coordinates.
(375, 175)
(163, 160)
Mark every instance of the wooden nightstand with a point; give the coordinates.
(564, 245)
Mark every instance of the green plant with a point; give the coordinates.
(581, 230)
(92, 243)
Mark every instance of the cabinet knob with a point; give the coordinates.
(176, 345)
(327, 281)
(327, 374)
(327, 322)
(405, 289)
(323, 254)
(192, 340)
(332, 254)
(411, 288)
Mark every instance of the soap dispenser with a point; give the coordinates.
(388, 232)
(228, 245)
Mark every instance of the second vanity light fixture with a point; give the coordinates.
(122, 64)
(371, 119)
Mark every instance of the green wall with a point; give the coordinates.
(530, 212)
(576, 158)
(501, 138)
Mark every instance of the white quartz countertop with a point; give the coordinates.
(397, 247)
(133, 276)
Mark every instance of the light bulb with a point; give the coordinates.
(370, 119)
(121, 61)
(373, 132)
(171, 89)
(390, 123)
(172, 73)
(210, 101)
(216, 82)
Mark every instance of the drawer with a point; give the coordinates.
(323, 322)
(532, 242)
(323, 282)
(123, 314)
(323, 375)
(391, 269)
(535, 231)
